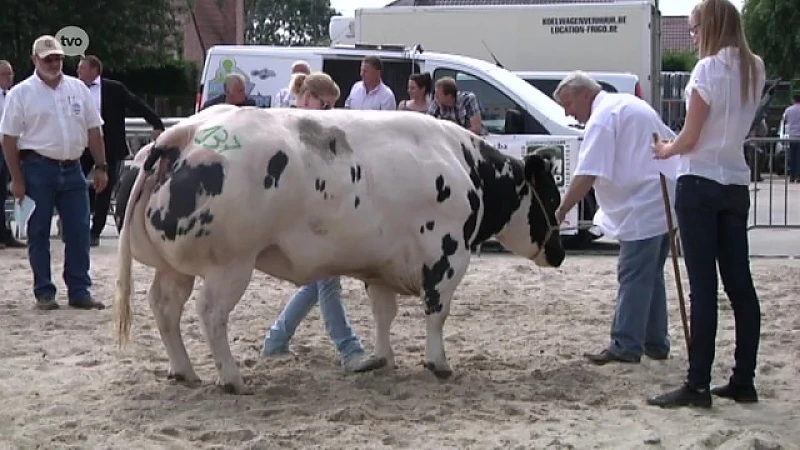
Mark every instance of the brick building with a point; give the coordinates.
(215, 26)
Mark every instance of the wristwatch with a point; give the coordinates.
(103, 167)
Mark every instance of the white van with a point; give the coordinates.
(519, 118)
(546, 81)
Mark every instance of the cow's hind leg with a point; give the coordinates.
(384, 310)
(439, 283)
(167, 295)
(222, 288)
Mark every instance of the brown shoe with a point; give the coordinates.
(88, 303)
(606, 356)
(46, 303)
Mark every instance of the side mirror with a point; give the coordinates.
(514, 123)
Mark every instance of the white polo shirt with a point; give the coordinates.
(381, 97)
(718, 154)
(617, 149)
(53, 122)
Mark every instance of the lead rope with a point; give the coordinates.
(550, 227)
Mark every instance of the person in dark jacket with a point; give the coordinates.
(112, 99)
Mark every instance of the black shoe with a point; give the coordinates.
(87, 303)
(736, 392)
(683, 396)
(46, 303)
(658, 356)
(12, 243)
(606, 356)
(95, 241)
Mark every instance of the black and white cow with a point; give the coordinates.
(396, 199)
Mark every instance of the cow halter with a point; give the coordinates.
(550, 227)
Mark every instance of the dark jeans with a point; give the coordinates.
(713, 227)
(793, 161)
(63, 188)
(99, 204)
(5, 178)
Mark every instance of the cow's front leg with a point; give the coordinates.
(222, 289)
(384, 310)
(439, 282)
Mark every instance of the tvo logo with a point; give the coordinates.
(73, 40)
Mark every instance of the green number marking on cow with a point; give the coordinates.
(218, 139)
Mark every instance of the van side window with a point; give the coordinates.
(494, 104)
(548, 86)
(346, 72)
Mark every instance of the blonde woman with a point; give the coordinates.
(712, 201)
(319, 91)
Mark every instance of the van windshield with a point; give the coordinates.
(547, 105)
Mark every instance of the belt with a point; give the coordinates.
(25, 153)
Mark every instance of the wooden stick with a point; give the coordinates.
(674, 250)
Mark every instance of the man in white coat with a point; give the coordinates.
(616, 159)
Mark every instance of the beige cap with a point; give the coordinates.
(47, 45)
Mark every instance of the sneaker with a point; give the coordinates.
(362, 362)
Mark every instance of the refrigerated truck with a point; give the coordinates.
(601, 37)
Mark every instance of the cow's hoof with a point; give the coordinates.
(441, 374)
(181, 378)
(231, 388)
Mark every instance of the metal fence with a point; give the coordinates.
(774, 198)
(137, 131)
(673, 105)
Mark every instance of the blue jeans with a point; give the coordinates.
(713, 223)
(65, 189)
(328, 293)
(640, 318)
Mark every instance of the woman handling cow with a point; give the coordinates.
(319, 91)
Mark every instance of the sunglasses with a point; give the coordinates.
(50, 59)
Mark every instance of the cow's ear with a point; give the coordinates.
(534, 165)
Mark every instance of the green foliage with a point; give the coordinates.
(678, 61)
(287, 22)
(173, 77)
(772, 30)
(122, 34)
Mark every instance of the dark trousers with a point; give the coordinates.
(793, 161)
(100, 203)
(713, 227)
(5, 178)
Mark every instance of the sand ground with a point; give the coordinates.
(515, 339)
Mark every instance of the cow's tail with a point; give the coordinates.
(123, 312)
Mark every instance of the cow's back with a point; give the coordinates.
(326, 188)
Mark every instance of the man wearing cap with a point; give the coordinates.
(48, 120)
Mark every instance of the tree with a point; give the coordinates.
(122, 34)
(287, 22)
(772, 30)
(678, 61)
